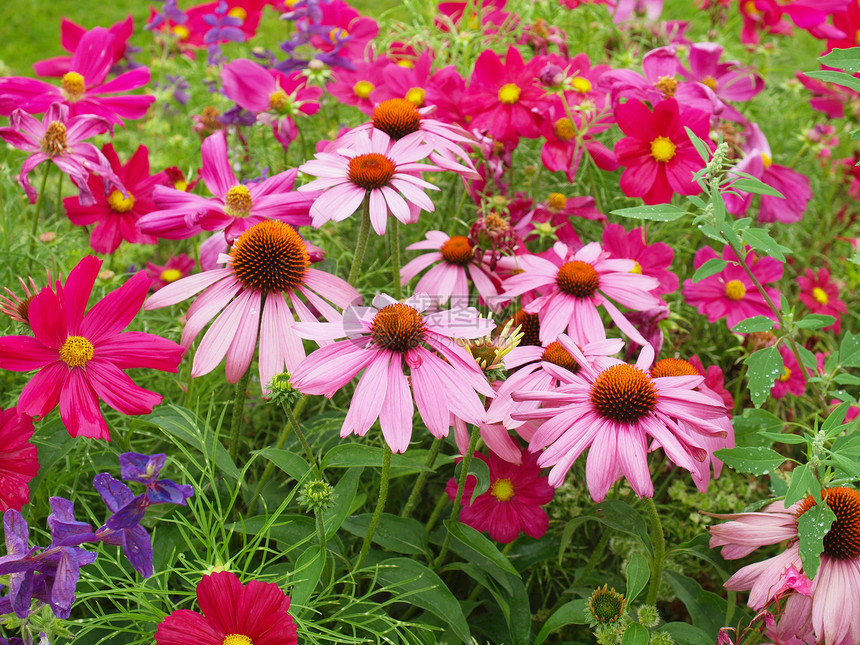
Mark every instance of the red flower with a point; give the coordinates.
(821, 295)
(512, 505)
(18, 461)
(659, 156)
(232, 614)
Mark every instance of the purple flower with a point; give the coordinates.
(224, 26)
(168, 12)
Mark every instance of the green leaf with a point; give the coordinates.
(760, 240)
(657, 213)
(815, 321)
(288, 531)
(477, 541)
(306, 574)
(686, 634)
(763, 368)
(570, 613)
(802, 483)
(754, 460)
(846, 379)
(840, 78)
(638, 573)
(622, 517)
(849, 350)
(398, 534)
(344, 491)
(709, 268)
(847, 60)
(352, 455)
(635, 634)
(479, 469)
(786, 437)
(289, 462)
(812, 526)
(808, 359)
(835, 418)
(753, 185)
(749, 426)
(754, 324)
(701, 147)
(417, 585)
(707, 609)
(850, 467)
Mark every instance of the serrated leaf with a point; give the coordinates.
(763, 368)
(812, 526)
(753, 185)
(760, 240)
(638, 574)
(570, 613)
(709, 268)
(753, 460)
(754, 324)
(845, 59)
(849, 350)
(815, 321)
(802, 483)
(635, 634)
(656, 213)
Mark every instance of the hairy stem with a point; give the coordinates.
(380, 506)
(461, 484)
(361, 242)
(422, 478)
(659, 542)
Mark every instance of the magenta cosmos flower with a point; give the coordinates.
(651, 259)
(70, 37)
(730, 80)
(793, 378)
(176, 267)
(821, 295)
(19, 461)
(513, 503)
(83, 89)
(445, 379)
(59, 138)
(231, 614)
(115, 215)
(456, 261)
(620, 413)
(567, 135)
(267, 268)
(829, 613)
(235, 207)
(574, 285)
(362, 86)
(731, 294)
(659, 157)
(81, 356)
(372, 168)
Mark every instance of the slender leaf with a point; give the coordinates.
(802, 483)
(753, 185)
(574, 612)
(847, 60)
(815, 321)
(709, 268)
(754, 324)
(398, 534)
(657, 213)
(638, 574)
(477, 541)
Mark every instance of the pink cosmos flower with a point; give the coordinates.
(235, 207)
(730, 81)
(811, 15)
(504, 98)
(659, 157)
(81, 357)
(821, 295)
(349, 32)
(60, 139)
(513, 503)
(445, 379)
(83, 88)
(375, 169)
(567, 135)
(792, 380)
(256, 294)
(616, 411)
(731, 294)
(70, 37)
(362, 86)
(114, 214)
(558, 211)
(836, 101)
(714, 381)
(176, 267)
(457, 263)
(410, 79)
(486, 15)
(651, 259)
(574, 285)
(19, 461)
(446, 90)
(828, 614)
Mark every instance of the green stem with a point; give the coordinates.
(395, 256)
(422, 478)
(595, 557)
(380, 506)
(361, 243)
(659, 542)
(38, 210)
(321, 531)
(437, 511)
(461, 484)
(301, 435)
(238, 412)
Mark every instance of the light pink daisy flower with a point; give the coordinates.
(457, 263)
(614, 412)
(376, 169)
(830, 613)
(267, 269)
(382, 341)
(574, 285)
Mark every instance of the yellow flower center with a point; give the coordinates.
(338, 33)
(405, 62)
(237, 639)
(749, 7)
(785, 375)
(362, 89)
(735, 290)
(171, 275)
(662, 149)
(181, 31)
(181, 185)
(278, 100)
(857, 37)
(637, 268)
(667, 85)
(54, 141)
(710, 81)
(766, 159)
(238, 12)
(120, 204)
(416, 96)
(509, 93)
(564, 129)
(73, 86)
(556, 202)
(581, 84)
(502, 489)
(820, 296)
(238, 202)
(77, 351)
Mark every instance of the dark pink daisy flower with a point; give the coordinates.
(349, 32)
(821, 295)
(568, 135)
(408, 79)
(361, 86)
(513, 503)
(176, 267)
(81, 356)
(730, 81)
(19, 461)
(70, 37)
(558, 211)
(651, 259)
(793, 378)
(659, 157)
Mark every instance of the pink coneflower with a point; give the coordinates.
(614, 412)
(235, 208)
(19, 461)
(115, 214)
(829, 613)
(821, 295)
(731, 294)
(258, 290)
(659, 157)
(457, 263)
(81, 356)
(59, 138)
(231, 614)
(513, 503)
(83, 89)
(574, 285)
(70, 37)
(375, 169)
(176, 267)
(445, 379)
(651, 259)
(793, 378)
